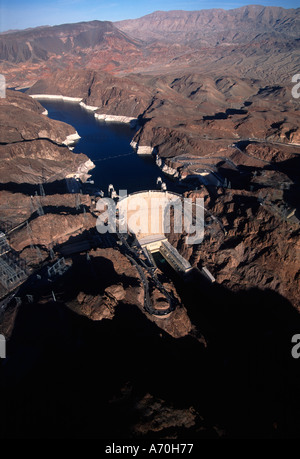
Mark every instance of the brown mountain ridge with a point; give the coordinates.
(253, 41)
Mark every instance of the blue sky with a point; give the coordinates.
(20, 14)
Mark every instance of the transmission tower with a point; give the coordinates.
(32, 206)
(77, 201)
(42, 191)
(32, 246)
(40, 209)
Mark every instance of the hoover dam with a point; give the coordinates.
(148, 215)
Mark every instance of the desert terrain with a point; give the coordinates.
(210, 95)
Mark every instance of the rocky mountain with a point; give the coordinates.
(128, 96)
(213, 27)
(260, 245)
(43, 43)
(253, 42)
(38, 51)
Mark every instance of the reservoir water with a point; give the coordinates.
(108, 146)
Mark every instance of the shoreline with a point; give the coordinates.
(143, 149)
(71, 138)
(146, 150)
(55, 97)
(100, 116)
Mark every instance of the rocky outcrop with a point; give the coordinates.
(124, 286)
(100, 307)
(258, 247)
(178, 324)
(116, 288)
(47, 230)
(40, 161)
(17, 125)
(157, 417)
(14, 208)
(33, 147)
(272, 153)
(17, 207)
(21, 101)
(111, 98)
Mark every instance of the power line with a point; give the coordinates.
(112, 157)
